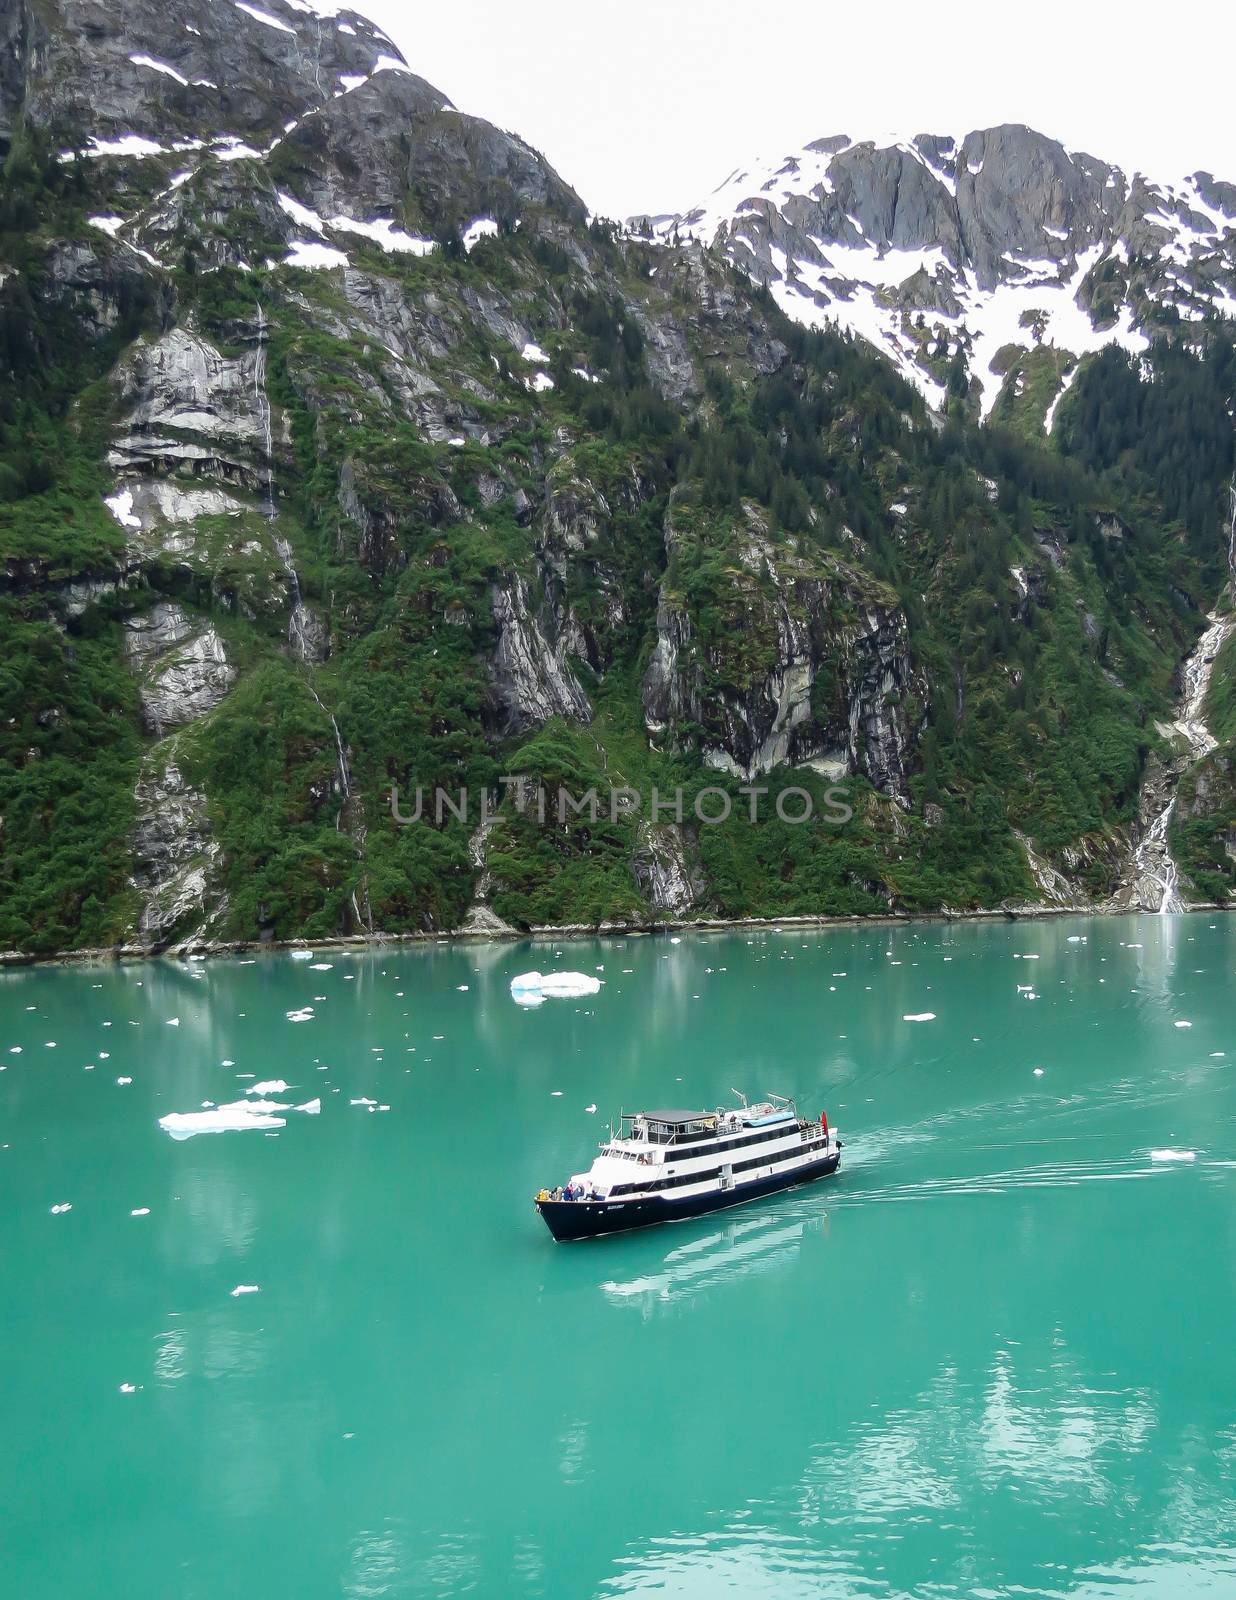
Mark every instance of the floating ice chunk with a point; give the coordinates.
(305, 1014)
(301, 955)
(65, 1205)
(268, 1086)
(173, 1022)
(919, 1016)
(1038, 1072)
(140, 1211)
(51, 1043)
(555, 1094)
(14, 1049)
(528, 997)
(1173, 1155)
(462, 987)
(123, 1081)
(555, 985)
(227, 1062)
(311, 1108)
(314, 258)
(245, 1288)
(675, 940)
(1183, 1024)
(363, 1101)
(322, 966)
(590, 1109)
(239, 1117)
(128, 1388)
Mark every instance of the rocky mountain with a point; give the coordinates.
(344, 460)
(1001, 251)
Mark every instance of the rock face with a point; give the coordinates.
(531, 680)
(664, 870)
(930, 245)
(394, 455)
(178, 858)
(814, 669)
(182, 665)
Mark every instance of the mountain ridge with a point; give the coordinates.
(341, 454)
(999, 241)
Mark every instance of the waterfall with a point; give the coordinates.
(1155, 875)
(301, 626)
(1231, 534)
(263, 403)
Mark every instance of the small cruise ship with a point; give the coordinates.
(664, 1165)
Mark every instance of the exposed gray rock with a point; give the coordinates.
(181, 381)
(176, 856)
(181, 662)
(667, 876)
(530, 680)
(796, 615)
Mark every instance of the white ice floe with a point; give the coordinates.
(173, 1022)
(305, 1014)
(239, 1117)
(533, 987)
(245, 1288)
(65, 1205)
(140, 1211)
(268, 1086)
(322, 966)
(1183, 1024)
(1173, 1155)
(301, 955)
(919, 1016)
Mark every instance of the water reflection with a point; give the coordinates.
(737, 1251)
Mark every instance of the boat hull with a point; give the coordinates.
(592, 1219)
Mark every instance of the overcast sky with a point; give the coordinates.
(646, 105)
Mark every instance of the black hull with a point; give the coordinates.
(591, 1219)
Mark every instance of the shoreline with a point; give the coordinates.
(547, 932)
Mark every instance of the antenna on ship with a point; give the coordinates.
(741, 1096)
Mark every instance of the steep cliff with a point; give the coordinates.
(340, 454)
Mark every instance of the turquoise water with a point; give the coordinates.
(994, 1357)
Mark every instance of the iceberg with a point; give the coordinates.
(531, 988)
(238, 1116)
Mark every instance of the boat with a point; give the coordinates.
(663, 1166)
